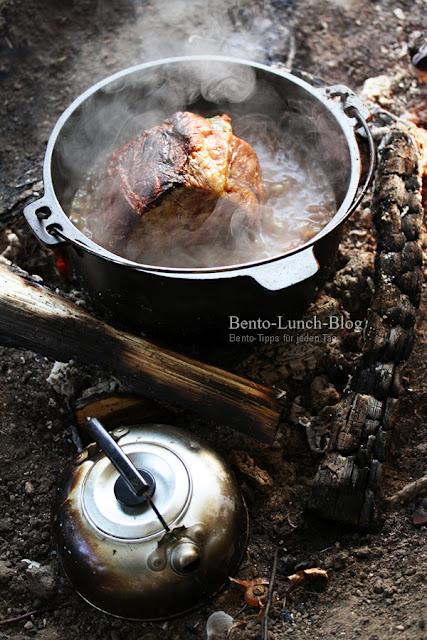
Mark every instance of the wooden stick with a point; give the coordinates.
(264, 624)
(409, 491)
(29, 614)
(35, 318)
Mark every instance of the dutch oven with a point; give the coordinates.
(172, 302)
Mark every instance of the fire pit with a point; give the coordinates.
(324, 120)
(374, 580)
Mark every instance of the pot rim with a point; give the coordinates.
(83, 242)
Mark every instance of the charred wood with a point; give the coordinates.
(348, 481)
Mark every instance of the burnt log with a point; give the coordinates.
(347, 486)
(118, 409)
(34, 317)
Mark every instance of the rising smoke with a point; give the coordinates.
(302, 201)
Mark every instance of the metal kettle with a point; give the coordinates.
(149, 522)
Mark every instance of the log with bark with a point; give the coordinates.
(35, 318)
(348, 481)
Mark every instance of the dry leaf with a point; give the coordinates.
(308, 576)
(256, 591)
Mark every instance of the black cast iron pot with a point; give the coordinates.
(184, 303)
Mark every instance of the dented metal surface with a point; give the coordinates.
(119, 559)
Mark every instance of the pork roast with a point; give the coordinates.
(181, 182)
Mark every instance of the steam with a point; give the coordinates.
(301, 199)
(168, 28)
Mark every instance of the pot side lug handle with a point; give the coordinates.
(288, 271)
(348, 101)
(41, 218)
(358, 114)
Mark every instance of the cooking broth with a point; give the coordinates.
(299, 202)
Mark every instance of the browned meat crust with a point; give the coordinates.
(172, 178)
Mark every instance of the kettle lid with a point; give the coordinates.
(105, 501)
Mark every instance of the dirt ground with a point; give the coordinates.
(51, 51)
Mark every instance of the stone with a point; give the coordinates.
(378, 586)
(29, 488)
(399, 13)
(63, 378)
(41, 581)
(6, 573)
(5, 525)
(389, 591)
(218, 626)
(362, 553)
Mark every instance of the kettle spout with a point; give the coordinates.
(185, 557)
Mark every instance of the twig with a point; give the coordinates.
(294, 526)
(240, 611)
(269, 596)
(409, 491)
(291, 53)
(28, 615)
(325, 549)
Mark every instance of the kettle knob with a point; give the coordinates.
(185, 557)
(128, 498)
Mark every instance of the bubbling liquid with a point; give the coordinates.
(299, 202)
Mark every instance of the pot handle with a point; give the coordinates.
(358, 112)
(279, 274)
(41, 218)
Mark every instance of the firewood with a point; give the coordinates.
(118, 409)
(348, 481)
(34, 317)
(409, 491)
